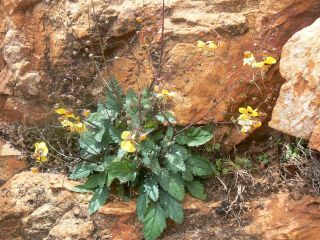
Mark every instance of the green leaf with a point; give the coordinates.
(107, 160)
(115, 133)
(142, 205)
(173, 184)
(150, 160)
(151, 124)
(197, 190)
(114, 101)
(200, 166)
(89, 146)
(195, 136)
(132, 108)
(95, 167)
(120, 170)
(164, 117)
(150, 155)
(98, 199)
(95, 180)
(151, 188)
(81, 171)
(176, 157)
(99, 135)
(172, 207)
(154, 222)
(187, 174)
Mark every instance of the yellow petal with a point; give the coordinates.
(42, 159)
(172, 94)
(61, 111)
(156, 88)
(221, 44)
(139, 19)
(34, 170)
(270, 60)
(164, 92)
(248, 61)
(257, 64)
(254, 113)
(247, 54)
(42, 146)
(200, 44)
(244, 116)
(125, 135)
(243, 110)
(143, 137)
(211, 45)
(86, 112)
(80, 127)
(128, 146)
(249, 109)
(257, 124)
(245, 129)
(67, 123)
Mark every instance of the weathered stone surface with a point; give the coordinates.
(38, 206)
(297, 110)
(11, 161)
(46, 47)
(281, 218)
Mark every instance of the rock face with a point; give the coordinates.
(282, 218)
(38, 206)
(48, 48)
(297, 111)
(11, 161)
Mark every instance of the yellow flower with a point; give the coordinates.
(86, 113)
(207, 46)
(156, 88)
(257, 124)
(139, 19)
(66, 113)
(67, 124)
(270, 60)
(257, 64)
(127, 143)
(245, 129)
(245, 119)
(34, 170)
(221, 44)
(79, 127)
(247, 54)
(211, 45)
(201, 44)
(41, 152)
(249, 111)
(244, 116)
(248, 58)
(166, 94)
(143, 137)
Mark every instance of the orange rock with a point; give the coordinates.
(281, 218)
(11, 161)
(297, 110)
(42, 40)
(314, 141)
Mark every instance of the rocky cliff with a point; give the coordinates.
(60, 50)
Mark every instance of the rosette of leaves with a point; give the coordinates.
(164, 166)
